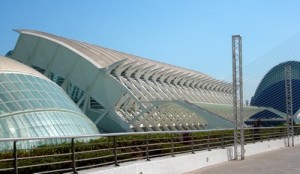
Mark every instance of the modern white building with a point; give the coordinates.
(122, 92)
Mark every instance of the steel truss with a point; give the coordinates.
(289, 106)
(238, 96)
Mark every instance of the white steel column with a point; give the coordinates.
(289, 106)
(238, 96)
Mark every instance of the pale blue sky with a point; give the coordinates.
(191, 34)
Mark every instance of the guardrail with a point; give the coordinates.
(73, 153)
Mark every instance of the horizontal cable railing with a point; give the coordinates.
(73, 153)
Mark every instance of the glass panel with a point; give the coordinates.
(35, 80)
(36, 95)
(29, 86)
(35, 120)
(3, 78)
(45, 104)
(3, 109)
(6, 97)
(20, 86)
(10, 86)
(45, 87)
(17, 96)
(51, 103)
(12, 77)
(34, 103)
(38, 87)
(45, 95)
(22, 78)
(27, 95)
(30, 79)
(25, 105)
(13, 106)
(52, 96)
(2, 88)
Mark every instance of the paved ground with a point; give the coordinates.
(285, 161)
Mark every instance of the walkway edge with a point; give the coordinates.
(188, 162)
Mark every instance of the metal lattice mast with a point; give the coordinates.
(289, 105)
(237, 76)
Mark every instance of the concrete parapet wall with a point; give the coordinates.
(188, 162)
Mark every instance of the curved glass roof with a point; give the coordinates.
(277, 74)
(33, 106)
(44, 124)
(271, 90)
(20, 92)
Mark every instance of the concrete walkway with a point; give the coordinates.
(285, 161)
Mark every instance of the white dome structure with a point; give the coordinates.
(33, 106)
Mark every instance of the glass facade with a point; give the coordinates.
(21, 92)
(32, 106)
(271, 90)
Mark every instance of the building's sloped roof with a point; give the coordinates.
(102, 57)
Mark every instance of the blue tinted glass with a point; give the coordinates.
(25, 105)
(3, 109)
(38, 87)
(3, 78)
(24, 92)
(27, 95)
(36, 95)
(16, 95)
(9, 86)
(13, 106)
(2, 89)
(20, 85)
(12, 77)
(6, 97)
(29, 86)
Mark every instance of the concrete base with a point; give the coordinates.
(187, 162)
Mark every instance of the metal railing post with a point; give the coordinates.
(115, 151)
(222, 145)
(172, 145)
(73, 156)
(208, 141)
(253, 135)
(260, 135)
(15, 154)
(190, 143)
(147, 147)
(245, 137)
(192, 138)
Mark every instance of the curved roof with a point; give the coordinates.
(103, 57)
(271, 90)
(10, 65)
(277, 74)
(33, 106)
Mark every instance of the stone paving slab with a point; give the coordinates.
(284, 161)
